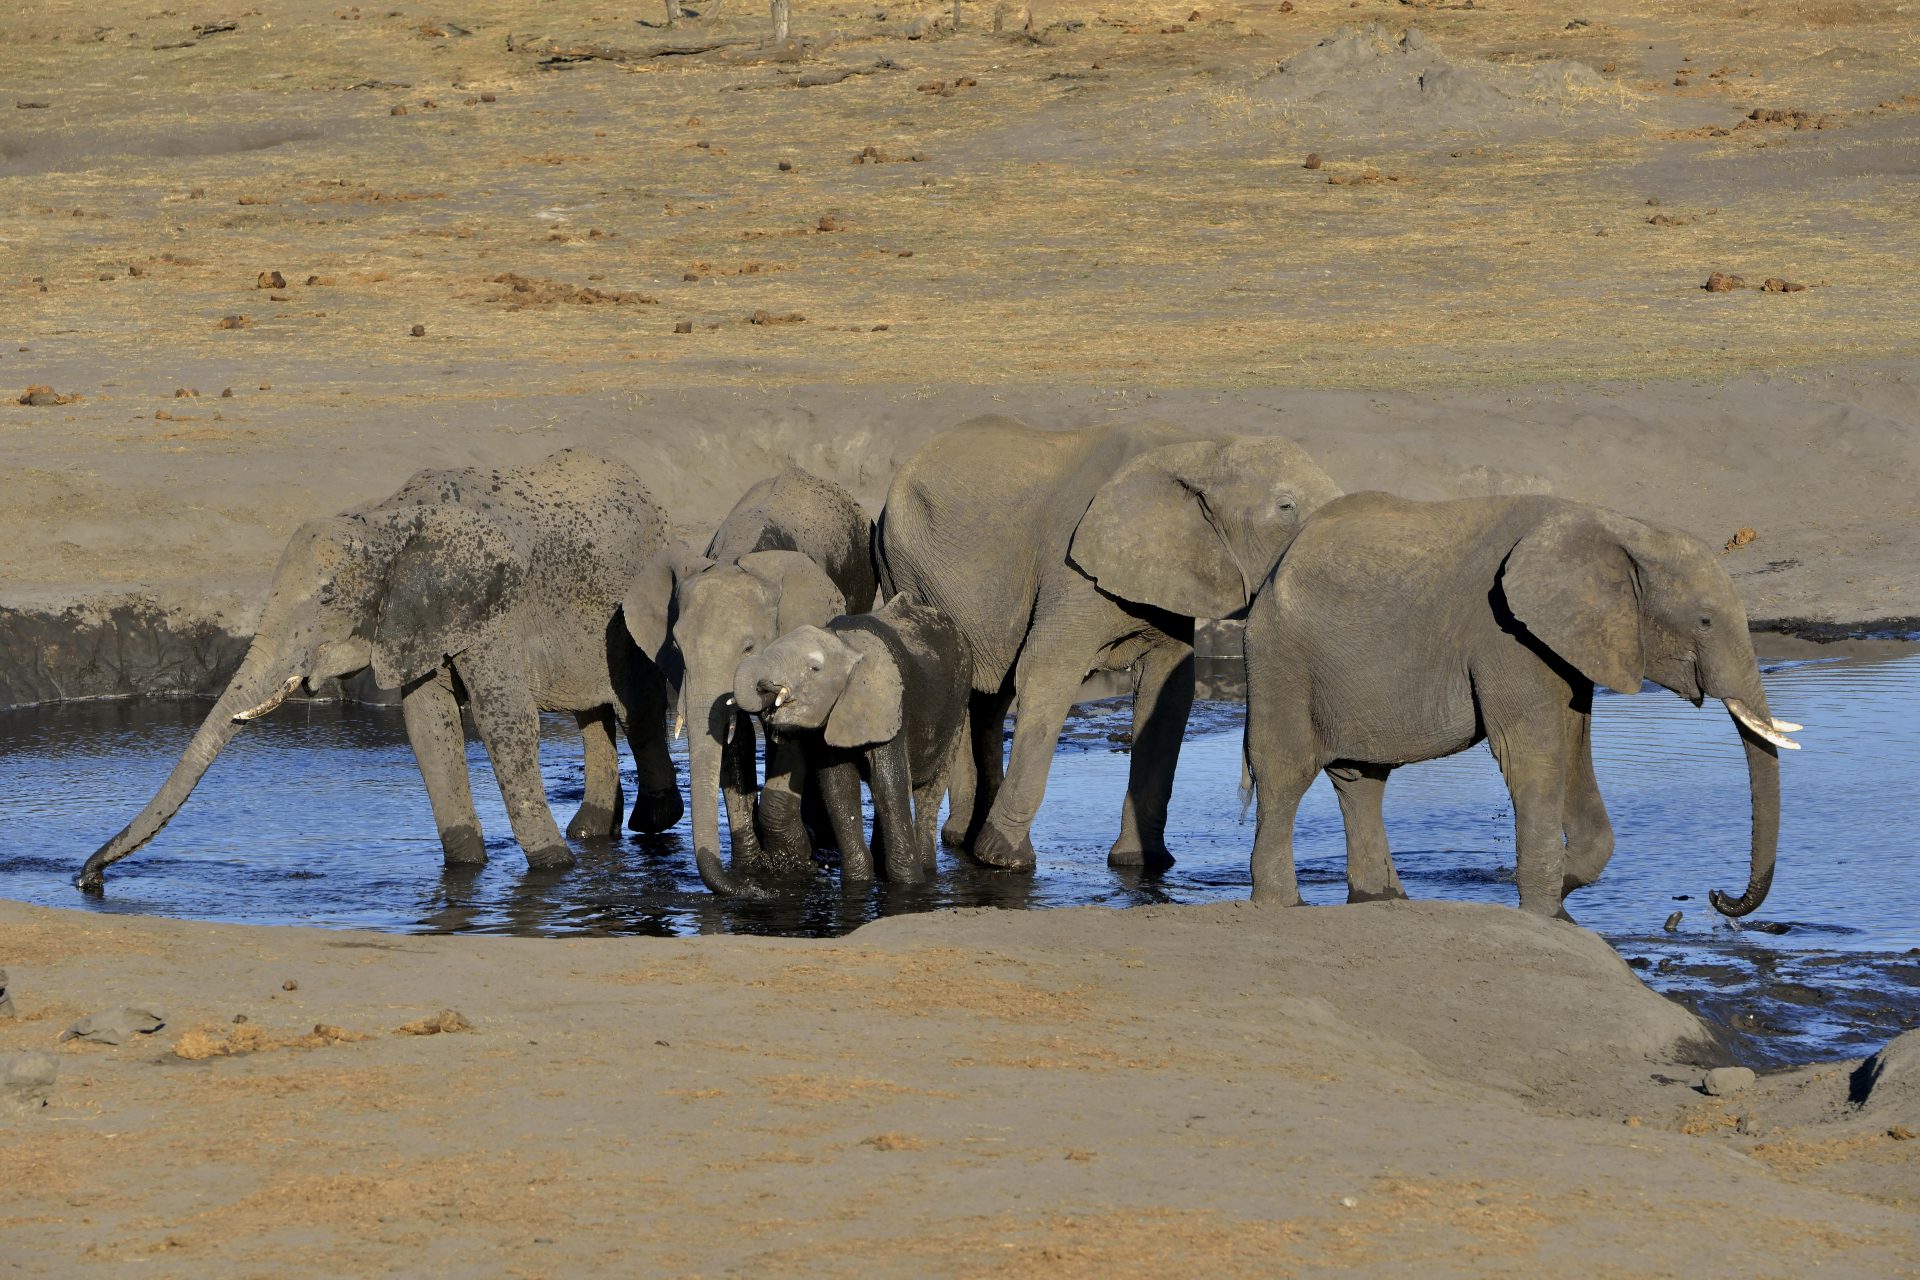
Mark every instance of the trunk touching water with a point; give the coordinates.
(719, 771)
(1763, 783)
(260, 677)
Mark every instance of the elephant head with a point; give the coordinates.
(1623, 602)
(399, 590)
(843, 686)
(1194, 527)
(715, 615)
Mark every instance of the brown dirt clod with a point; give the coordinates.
(1720, 282)
(233, 322)
(270, 280)
(40, 394)
(1312, 161)
(1774, 284)
(683, 326)
(418, 331)
(1742, 536)
(447, 1020)
(532, 291)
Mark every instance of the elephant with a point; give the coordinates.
(498, 590)
(881, 696)
(1058, 553)
(795, 551)
(1395, 631)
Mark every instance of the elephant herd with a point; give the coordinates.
(1007, 564)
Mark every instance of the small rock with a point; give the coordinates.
(1312, 161)
(786, 166)
(136, 269)
(1742, 536)
(418, 331)
(683, 326)
(290, 985)
(227, 394)
(116, 1026)
(41, 394)
(1720, 282)
(828, 224)
(1775, 284)
(446, 1020)
(233, 322)
(1673, 922)
(270, 280)
(239, 1018)
(488, 97)
(26, 1081)
(399, 109)
(1722, 1081)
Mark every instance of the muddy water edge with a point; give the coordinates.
(317, 817)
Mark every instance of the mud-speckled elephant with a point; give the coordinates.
(498, 590)
(795, 551)
(1058, 553)
(1395, 631)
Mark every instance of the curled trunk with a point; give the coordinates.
(260, 677)
(1763, 784)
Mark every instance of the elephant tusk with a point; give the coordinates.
(1787, 726)
(730, 701)
(1760, 728)
(280, 696)
(679, 725)
(733, 727)
(780, 698)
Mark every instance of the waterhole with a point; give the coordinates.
(316, 816)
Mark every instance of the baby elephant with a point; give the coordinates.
(882, 696)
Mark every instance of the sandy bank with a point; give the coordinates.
(1423, 1088)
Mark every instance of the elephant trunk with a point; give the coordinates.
(1762, 737)
(259, 680)
(720, 770)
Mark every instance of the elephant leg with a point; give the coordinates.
(1370, 872)
(1162, 700)
(602, 805)
(978, 774)
(1533, 753)
(839, 782)
(1046, 695)
(1589, 832)
(658, 806)
(432, 716)
(784, 843)
(891, 779)
(509, 722)
(1282, 755)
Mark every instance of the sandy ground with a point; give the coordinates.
(1224, 1090)
(1104, 213)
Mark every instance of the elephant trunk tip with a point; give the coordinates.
(1747, 903)
(714, 875)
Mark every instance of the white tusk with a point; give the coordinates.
(733, 724)
(1787, 726)
(1758, 727)
(679, 725)
(730, 701)
(280, 696)
(780, 698)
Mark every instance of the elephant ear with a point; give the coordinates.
(868, 709)
(453, 576)
(806, 594)
(648, 606)
(1572, 583)
(1149, 536)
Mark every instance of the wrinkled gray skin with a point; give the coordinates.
(497, 590)
(882, 697)
(1058, 553)
(1395, 631)
(795, 551)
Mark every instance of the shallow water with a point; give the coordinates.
(316, 816)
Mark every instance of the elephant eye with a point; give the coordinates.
(1706, 624)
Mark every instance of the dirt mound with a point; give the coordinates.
(1365, 79)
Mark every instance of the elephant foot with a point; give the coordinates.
(954, 834)
(1277, 897)
(656, 811)
(556, 858)
(994, 849)
(593, 823)
(1356, 894)
(463, 847)
(1128, 853)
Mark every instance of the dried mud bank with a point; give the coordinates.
(1223, 1090)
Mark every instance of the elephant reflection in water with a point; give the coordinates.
(500, 591)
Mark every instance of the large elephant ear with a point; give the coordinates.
(1572, 583)
(868, 710)
(648, 606)
(452, 577)
(807, 596)
(1150, 537)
